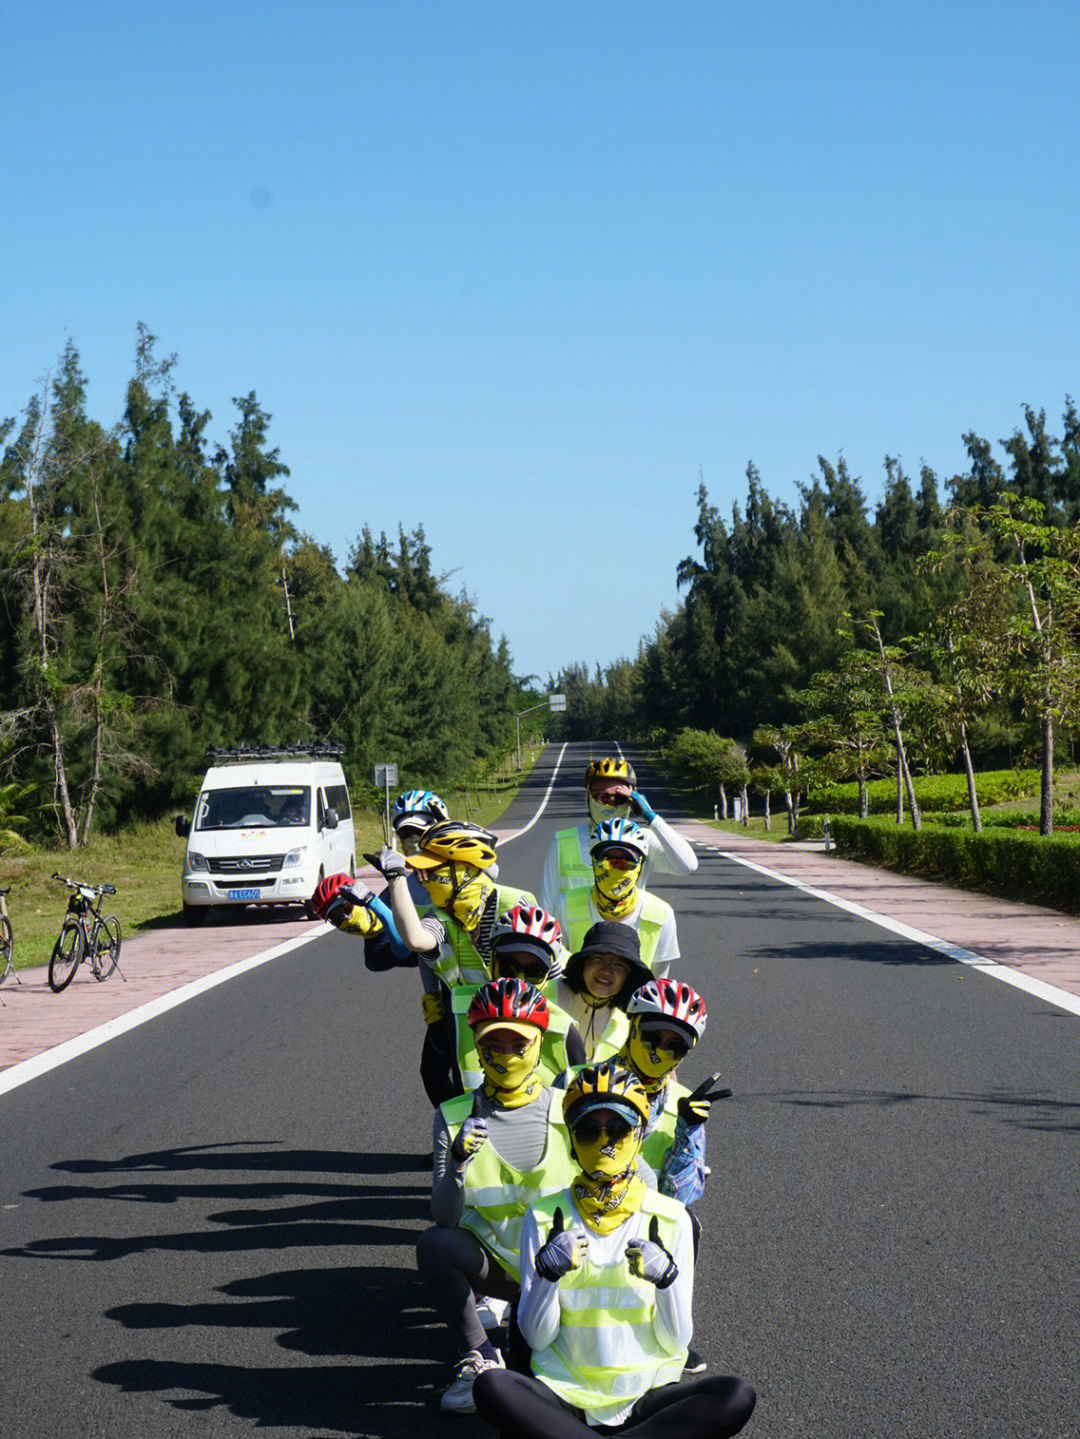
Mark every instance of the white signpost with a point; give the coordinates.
(386, 778)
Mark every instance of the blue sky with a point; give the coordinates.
(519, 272)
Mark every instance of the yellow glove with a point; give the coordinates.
(359, 920)
(433, 1007)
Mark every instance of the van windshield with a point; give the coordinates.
(266, 806)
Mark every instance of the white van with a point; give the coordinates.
(267, 826)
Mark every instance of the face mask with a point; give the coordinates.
(616, 888)
(648, 1061)
(598, 812)
(467, 904)
(507, 1072)
(603, 1156)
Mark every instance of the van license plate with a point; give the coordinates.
(244, 893)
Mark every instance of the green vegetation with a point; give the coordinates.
(1020, 864)
(937, 793)
(158, 599)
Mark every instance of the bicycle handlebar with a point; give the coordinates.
(98, 889)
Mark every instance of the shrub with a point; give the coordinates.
(935, 792)
(1001, 860)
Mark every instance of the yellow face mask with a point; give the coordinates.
(507, 1058)
(649, 1056)
(616, 887)
(605, 1145)
(467, 905)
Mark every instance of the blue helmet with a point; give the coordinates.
(622, 832)
(418, 808)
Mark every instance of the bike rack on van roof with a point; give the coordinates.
(241, 753)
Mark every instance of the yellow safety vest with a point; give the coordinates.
(459, 961)
(649, 924)
(661, 1137)
(497, 1195)
(606, 1354)
(575, 862)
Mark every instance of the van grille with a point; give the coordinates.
(246, 866)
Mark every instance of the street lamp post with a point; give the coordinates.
(555, 703)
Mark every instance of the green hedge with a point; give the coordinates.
(935, 792)
(1001, 860)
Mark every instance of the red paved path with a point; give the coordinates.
(1039, 942)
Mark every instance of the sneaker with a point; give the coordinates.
(695, 1364)
(492, 1312)
(458, 1398)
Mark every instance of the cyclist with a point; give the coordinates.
(597, 984)
(337, 898)
(611, 793)
(453, 940)
(618, 853)
(607, 1274)
(496, 1150)
(526, 943)
(666, 1021)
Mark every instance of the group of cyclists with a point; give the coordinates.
(566, 1152)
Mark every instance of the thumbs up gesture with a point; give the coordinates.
(649, 1259)
(565, 1250)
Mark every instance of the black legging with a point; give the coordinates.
(454, 1266)
(713, 1407)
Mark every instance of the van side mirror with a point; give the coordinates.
(183, 826)
(330, 819)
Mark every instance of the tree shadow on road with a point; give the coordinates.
(378, 1357)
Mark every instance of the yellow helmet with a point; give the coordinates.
(606, 1086)
(614, 771)
(454, 841)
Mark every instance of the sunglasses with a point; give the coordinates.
(509, 966)
(662, 1038)
(590, 1130)
(505, 1043)
(620, 858)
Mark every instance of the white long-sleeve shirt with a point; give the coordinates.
(667, 853)
(538, 1309)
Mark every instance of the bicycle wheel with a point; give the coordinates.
(7, 948)
(67, 951)
(106, 947)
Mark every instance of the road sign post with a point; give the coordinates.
(386, 778)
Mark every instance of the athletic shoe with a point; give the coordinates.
(695, 1364)
(458, 1399)
(492, 1312)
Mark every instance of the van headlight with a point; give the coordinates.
(195, 861)
(294, 857)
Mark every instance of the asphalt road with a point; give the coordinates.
(207, 1224)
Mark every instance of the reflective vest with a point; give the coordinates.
(459, 961)
(661, 1136)
(606, 1354)
(497, 1195)
(612, 1038)
(575, 863)
(553, 1057)
(649, 922)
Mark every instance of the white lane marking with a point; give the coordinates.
(543, 803)
(72, 1048)
(1016, 977)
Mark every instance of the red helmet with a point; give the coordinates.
(667, 999)
(513, 1000)
(326, 891)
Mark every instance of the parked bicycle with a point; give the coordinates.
(86, 933)
(7, 942)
